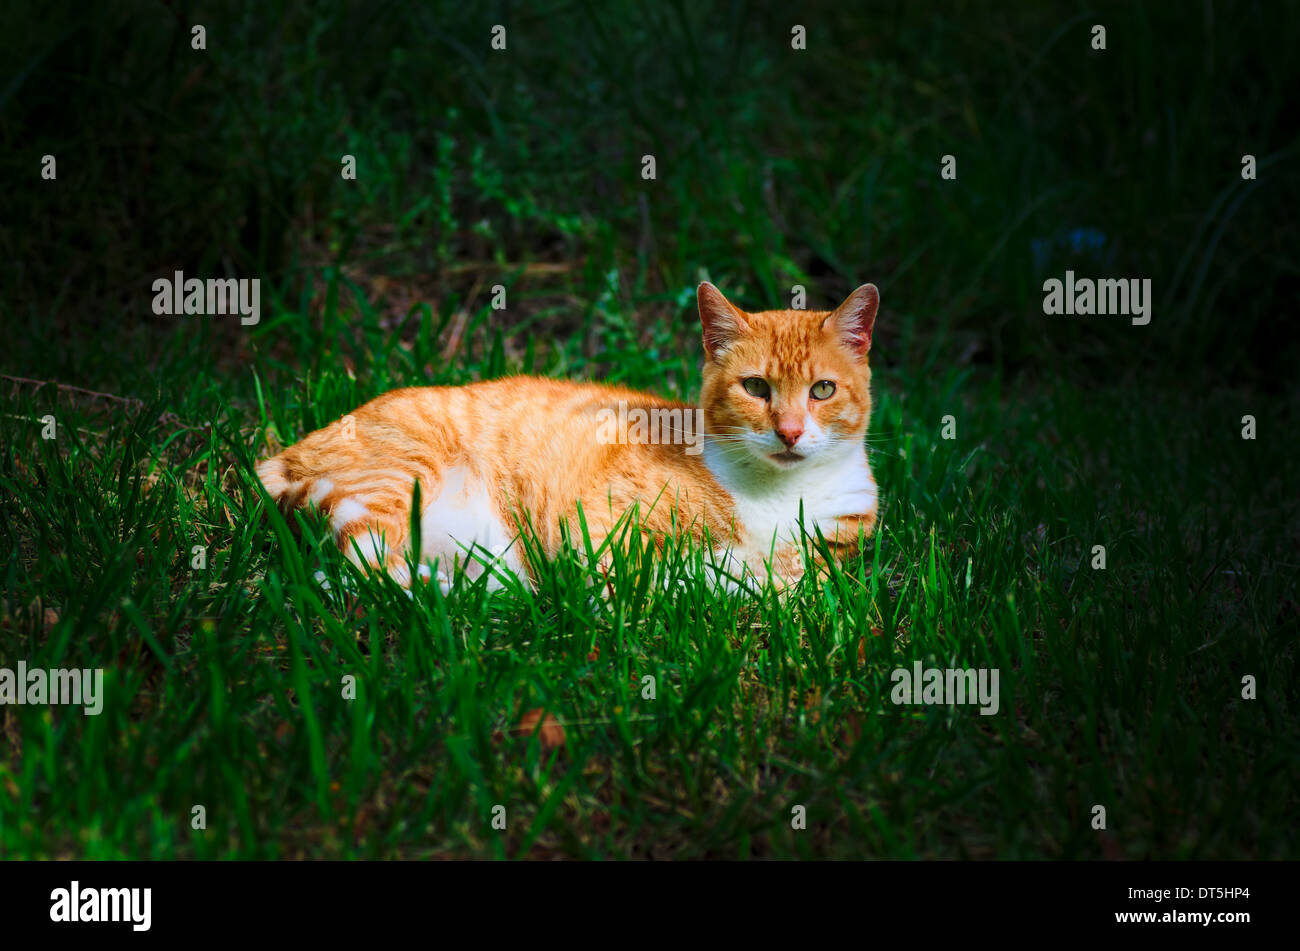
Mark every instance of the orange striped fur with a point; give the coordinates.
(494, 455)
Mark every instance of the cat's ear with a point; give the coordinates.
(853, 320)
(721, 321)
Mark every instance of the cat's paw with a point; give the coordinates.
(339, 587)
(342, 591)
(425, 575)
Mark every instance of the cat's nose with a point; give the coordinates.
(789, 432)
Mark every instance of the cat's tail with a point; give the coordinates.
(291, 481)
(298, 474)
(370, 528)
(365, 503)
(274, 476)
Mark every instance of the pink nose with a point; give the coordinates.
(789, 433)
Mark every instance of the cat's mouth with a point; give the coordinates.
(788, 457)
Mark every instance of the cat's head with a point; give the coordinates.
(786, 389)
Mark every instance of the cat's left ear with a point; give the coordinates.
(722, 322)
(853, 320)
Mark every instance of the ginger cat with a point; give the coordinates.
(780, 430)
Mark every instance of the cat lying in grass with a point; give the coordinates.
(777, 441)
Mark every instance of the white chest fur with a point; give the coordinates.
(769, 502)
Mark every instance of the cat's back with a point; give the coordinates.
(553, 441)
(517, 406)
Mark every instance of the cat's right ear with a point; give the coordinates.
(853, 320)
(721, 321)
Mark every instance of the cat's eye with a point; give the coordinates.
(757, 386)
(822, 390)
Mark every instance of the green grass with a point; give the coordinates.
(1119, 687)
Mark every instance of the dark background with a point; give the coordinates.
(775, 167)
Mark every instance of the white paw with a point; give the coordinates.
(340, 588)
(426, 575)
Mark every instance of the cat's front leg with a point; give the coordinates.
(844, 532)
(731, 571)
